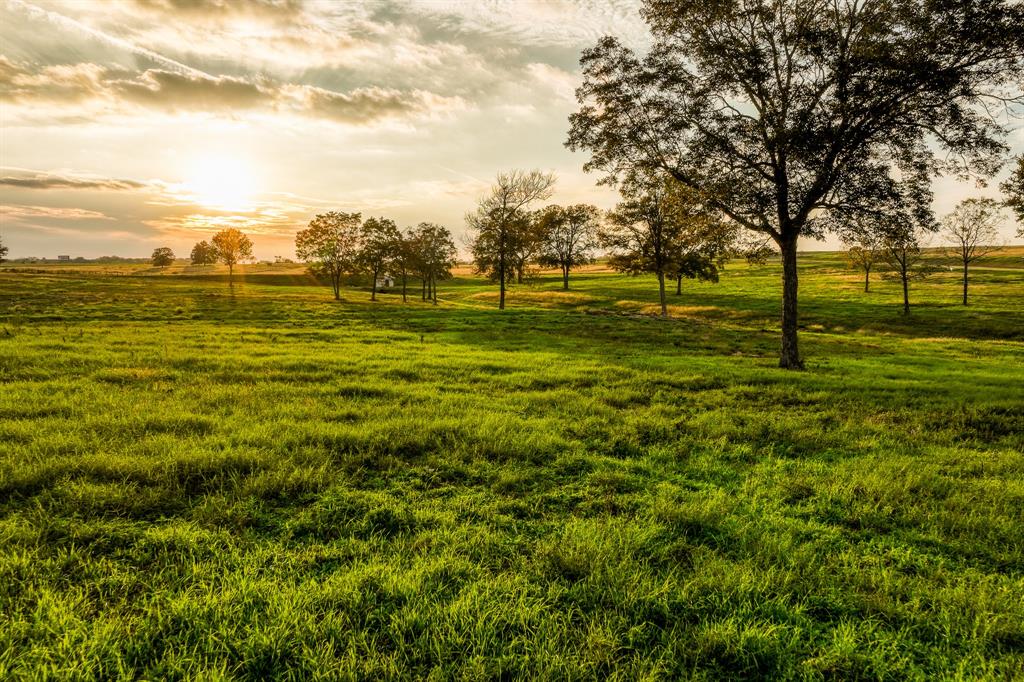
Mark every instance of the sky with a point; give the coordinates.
(126, 125)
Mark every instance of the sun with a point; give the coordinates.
(222, 182)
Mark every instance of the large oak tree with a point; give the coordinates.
(778, 111)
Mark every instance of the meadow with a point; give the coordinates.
(256, 481)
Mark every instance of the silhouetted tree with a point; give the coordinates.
(404, 261)
(569, 236)
(380, 244)
(778, 110)
(435, 256)
(658, 230)
(3, 251)
(973, 227)
(863, 244)
(203, 253)
(330, 245)
(501, 220)
(162, 257)
(1013, 188)
(901, 250)
(231, 246)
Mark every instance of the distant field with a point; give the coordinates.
(245, 482)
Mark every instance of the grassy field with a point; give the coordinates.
(203, 481)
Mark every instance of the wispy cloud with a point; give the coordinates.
(20, 212)
(43, 180)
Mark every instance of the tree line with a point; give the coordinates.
(659, 228)
(890, 238)
(337, 244)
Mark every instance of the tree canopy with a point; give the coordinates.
(231, 247)
(330, 245)
(162, 257)
(569, 236)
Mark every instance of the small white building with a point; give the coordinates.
(385, 282)
(63, 257)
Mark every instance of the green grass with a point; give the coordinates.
(199, 481)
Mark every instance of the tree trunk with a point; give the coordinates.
(423, 287)
(565, 277)
(433, 285)
(373, 286)
(905, 276)
(501, 278)
(405, 282)
(965, 282)
(679, 285)
(336, 283)
(867, 279)
(789, 356)
(661, 294)
(231, 274)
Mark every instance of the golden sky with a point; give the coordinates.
(131, 124)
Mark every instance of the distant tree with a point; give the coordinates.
(231, 247)
(569, 236)
(501, 220)
(527, 244)
(162, 257)
(330, 246)
(901, 251)
(779, 110)
(864, 244)
(380, 244)
(203, 253)
(657, 230)
(973, 227)
(405, 259)
(3, 251)
(702, 241)
(1013, 188)
(434, 255)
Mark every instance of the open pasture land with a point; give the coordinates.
(258, 481)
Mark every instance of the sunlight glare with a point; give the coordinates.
(222, 182)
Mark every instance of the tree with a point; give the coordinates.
(779, 110)
(405, 259)
(231, 246)
(162, 257)
(3, 251)
(569, 236)
(901, 250)
(380, 246)
(434, 256)
(501, 219)
(863, 243)
(330, 245)
(973, 227)
(1013, 188)
(657, 230)
(203, 253)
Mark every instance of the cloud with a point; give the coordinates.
(365, 105)
(211, 10)
(40, 180)
(19, 212)
(110, 90)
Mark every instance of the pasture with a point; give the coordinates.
(204, 481)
